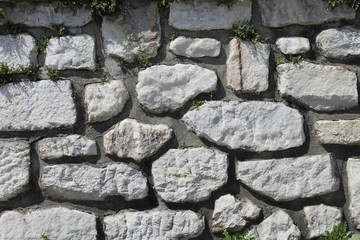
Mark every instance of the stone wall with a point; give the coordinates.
(164, 127)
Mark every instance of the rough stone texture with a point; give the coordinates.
(279, 13)
(189, 175)
(104, 101)
(14, 168)
(132, 139)
(136, 32)
(18, 50)
(321, 218)
(353, 190)
(290, 178)
(231, 213)
(195, 47)
(56, 223)
(317, 86)
(155, 224)
(68, 146)
(30, 106)
(164, 88)
(82, 182)
(293, 45)
(71, 52)
(247, 66)
(339, 43)
(251, 125)
(207, 15)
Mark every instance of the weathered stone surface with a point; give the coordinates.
(132, 139)
(104, 101)
(251, 125)
(231, 213)
(207, 15)
(293, 45)
(136, 32)
(71, 52)
(18, 50)
(290, 178)
(279, 13)
(321, 218)
(317, 86)
(195, 47)
(247, 66)
(155, 224)
(189, 175)
(353, 190)
(84, 182)
(164, 88)
(56, 223)
(68, 146)
(339, 43)
(30, 106)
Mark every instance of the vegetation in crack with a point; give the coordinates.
(354, 4)
(7, 74)
(14, 28)
(246, 32)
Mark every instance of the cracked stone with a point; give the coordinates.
(195, 47)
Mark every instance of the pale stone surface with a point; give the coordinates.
(195, 47)
(189, 175)
(136, 32)
(318, 86)
(31, 106)
(293, 45)
(68, 146)
(207, 15)
(18, 50)
(82, 182)
(164, 88)
(353, 190)
(252, 125)
(321, 218)
(290, 178)
(154, 224)
(56, 223)
(104, 101)
(132, 139)
(279, 13)
(232, 214)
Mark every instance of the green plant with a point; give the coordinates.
(354, 4)
(339, 232)
(281, 61)
(134, 61)
(198, 103)
(44, 237)
(228, 3)
(246, 32)
(14, 28)
(257, 93)
(7, 73)
(59, 29)
(53, 74)
(104, 79)
(97, 7)
(236, 236)
(173, 36)
(183, 146)
(43, 44)
(99, 67)
(295, 59)
(2, 13)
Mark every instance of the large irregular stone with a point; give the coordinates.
(31, 106)
(132, 139)
(104, 101)
(279, 13)
(247, 66)
(189, 175)
(293, 45)
(84, 182)
(251, 125)
(155, 224)
(71, 52)
(134, 32)
(164, 88)
(353, 190)
(317, 86)
(290, 178)
(195, 47)
(56, 223)
(207, 15)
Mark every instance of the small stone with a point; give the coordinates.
(84, 182)
(207, 15)
(154, 224)
(293, 45)
(132, 139)
(290, 178)
(104, 101)
(55, 223)
(32, 106)
(195, 47)
(317, 86)
(167, 88)
(189, 175)
(252, 125)
(71, 52)
(353, 190)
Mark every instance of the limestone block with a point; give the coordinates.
(195, 47)
(353, 190)
(293, 45)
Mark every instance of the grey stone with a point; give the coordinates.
(164, 88)
(317, 86)
(195, 47)
(353, 190)
(290, 178)
(189, 175)
(252, 125)
(31, 106)
(293, 45)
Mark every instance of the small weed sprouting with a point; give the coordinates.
(135, 61)
(246, 32)
(59, 29)
(53, 74)
(7, 73)
(198, 103)
(99, 67)
(281, 61)
(43, 44)
(173, 36)
(2, 13)
(45, 237)
(228, 3)
(339, 232)
(296, 59)
(354, 4)
(183, 146)
(257, 93)
(237, 236)
(14, 28)
(104, 79)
